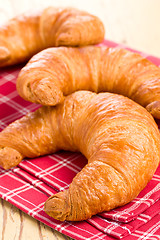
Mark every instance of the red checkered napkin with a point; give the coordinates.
(29, 196)
(58, 171)
(28, 192)
(145, 199)
(120, 230)
(33, 181)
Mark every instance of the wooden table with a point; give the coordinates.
(132, 23)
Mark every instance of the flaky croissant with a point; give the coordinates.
(25, 35)
(119, 138)
(56, 72)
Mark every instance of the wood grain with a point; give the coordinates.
(17, 225)
(133, 23)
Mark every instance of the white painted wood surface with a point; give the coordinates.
(134, 23)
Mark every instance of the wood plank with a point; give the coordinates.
(17, 225)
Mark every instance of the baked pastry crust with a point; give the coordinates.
(56, 72)
(27, 34)
(119, 138)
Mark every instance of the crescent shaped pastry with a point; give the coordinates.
(56, 72)
(27, 34)
(119, 138)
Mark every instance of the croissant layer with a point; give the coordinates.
(57, 72)
(27, 34)
(119, 138)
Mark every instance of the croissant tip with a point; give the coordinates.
(54, 94)
(4, 54)
(154, 109)
(9, 157)
(56, 206)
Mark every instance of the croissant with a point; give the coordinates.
(56, 72)
(119, 138)
(27, 34)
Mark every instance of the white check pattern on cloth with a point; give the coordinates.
(34, 181)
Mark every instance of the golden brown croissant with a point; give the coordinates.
(25, 35)
(119, 138)
(56, 72)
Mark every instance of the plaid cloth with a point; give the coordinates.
(28, 185)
